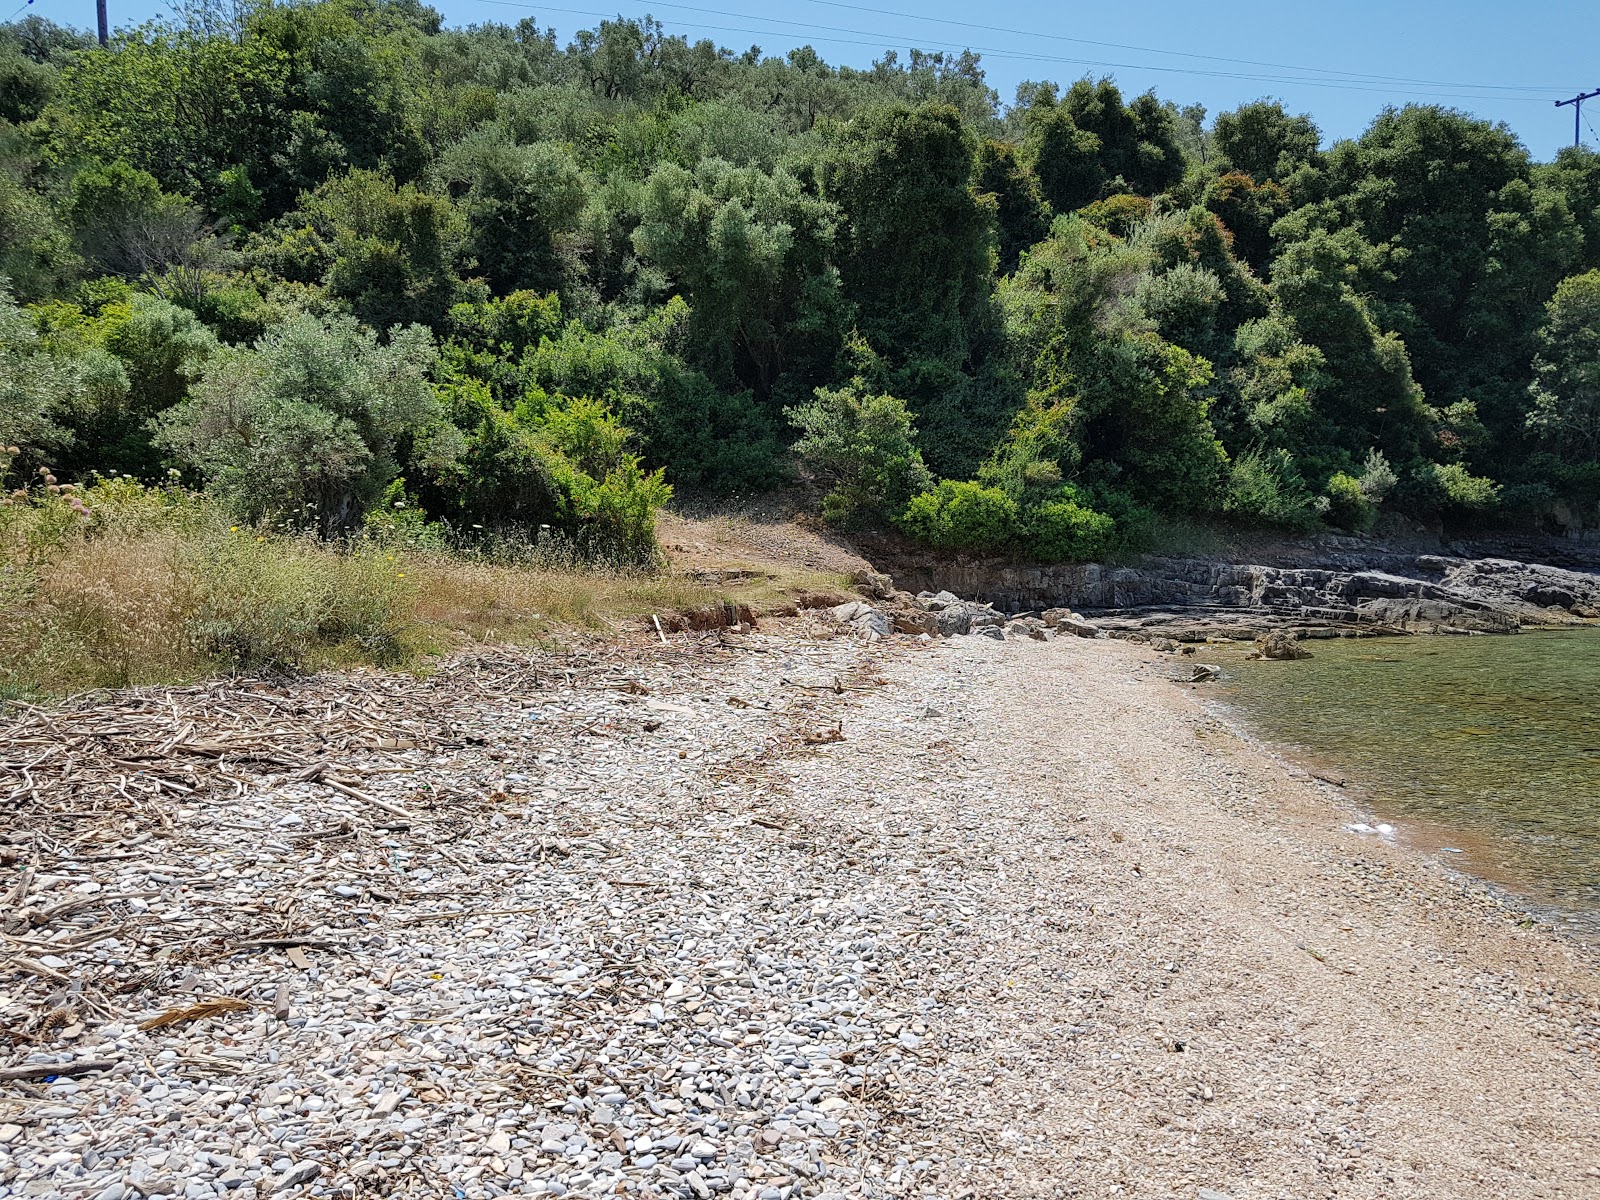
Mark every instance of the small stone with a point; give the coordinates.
(300, 1173)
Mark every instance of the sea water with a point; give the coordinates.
(1490, 742)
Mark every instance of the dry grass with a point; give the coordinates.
(146, 594)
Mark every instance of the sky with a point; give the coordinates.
(1341, 61)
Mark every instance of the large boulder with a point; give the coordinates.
(1280, 643)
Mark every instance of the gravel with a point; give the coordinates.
(767, 917)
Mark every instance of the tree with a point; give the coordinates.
(518, 201)
(1263, 141)
(126, 225)
(916, 255)
(387, 249)
(863, 446)
(750, 251)
(307, 427)
(1088, 144)
(1021, 215)
(1566, 387)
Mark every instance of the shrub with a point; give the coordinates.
(1264, 487)
(1377, 477)
(864, 447)
(1349, 507)
(1063, 530)
(959, 515)
(306, 427)
(1452, 484)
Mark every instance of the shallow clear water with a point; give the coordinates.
(1489, 745)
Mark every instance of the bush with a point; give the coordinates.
(1063, 530)
(960, 515)
(1264, 487)
(1348, 504)
(1453, 485)
(306, 428)
(864, 447)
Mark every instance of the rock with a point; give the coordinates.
(1204, 673)
(875, 584)
(1280, 644)
(851, 610)
(981, 616)
(873, 623)
(1337, 586)
(303, 1172)
(1211, 1194)
(916, 622)
(937, 601)
(1163, 645)
(953, 621)
(993, 631)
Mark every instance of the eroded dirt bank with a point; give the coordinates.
(770, 917)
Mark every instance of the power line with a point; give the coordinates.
(1249, 62)
(1013, 55)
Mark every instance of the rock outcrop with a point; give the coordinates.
(1192, 599)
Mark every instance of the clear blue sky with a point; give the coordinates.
(1503, 61)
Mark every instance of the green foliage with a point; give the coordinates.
(1265, 143)
(901, 177)
(1088, 144)
(1451, 485)
(1108, 312)
(125, 224)
(518, 202)
(961, 516)
(750, 251)
(1065, 530)
(863, 447)
(306, 428)
(389, 250)
(1349, 507)
(33, 384)
(135, 357)
(1021, 215)
(1265, 488)
(1566, 387)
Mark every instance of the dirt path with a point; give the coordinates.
(775, 918)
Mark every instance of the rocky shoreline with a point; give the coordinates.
(1331, 595)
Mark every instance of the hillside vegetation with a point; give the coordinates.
(330, 264)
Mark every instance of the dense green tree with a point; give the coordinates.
(1087, 144)
(1263, 141)
(1566, 387)
(1021, 215)
(917, 251)
(752, 254)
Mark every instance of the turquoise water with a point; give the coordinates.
(1489, 745)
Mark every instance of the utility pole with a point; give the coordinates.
(100, 11)
(1576, 101)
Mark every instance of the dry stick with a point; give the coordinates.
(82, 1066)
(659, 633)
(354, 794)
